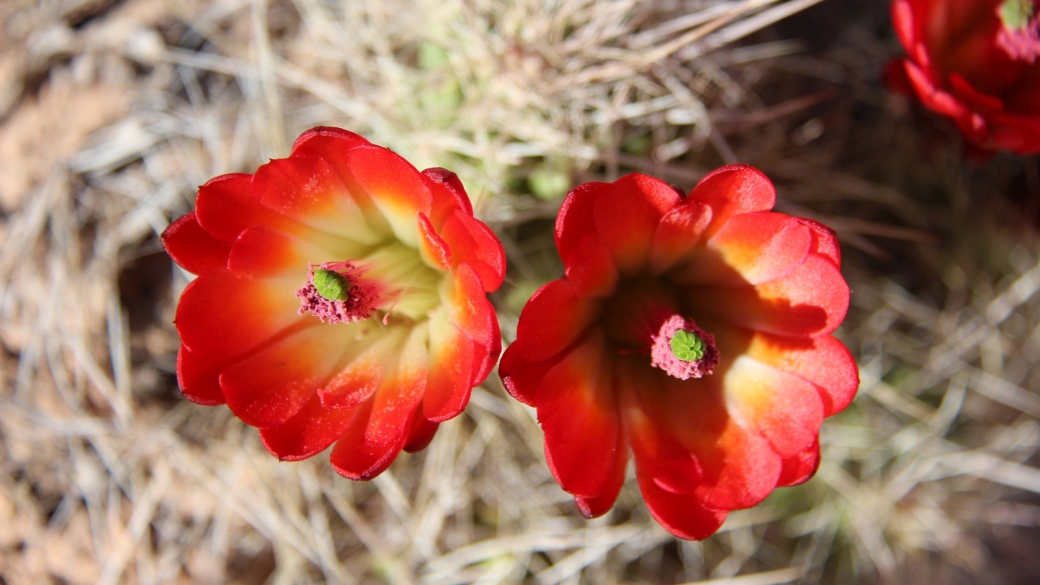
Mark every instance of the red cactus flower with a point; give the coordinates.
(341, 298)
(694, 331)
(975, 61)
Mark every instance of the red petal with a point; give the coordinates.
(198, 378)
(326, 141)
(596, 506)
(579, 414)
(421, 432)
(553, 319)
(448, 195)
(626, 217)
(658, 454)
(354, 458)
(825, 242)
(222, 315)
(786, 409)
(226, 207)
(678, 235)
(435, 251)
(486, 356)
(800, 468)
(749, 249)
(368, 363)
(655, 192)
(473, 243)
(574, 221)
(400, 393)
(1023, 104)
(269, 387)
(738, 467)
(591, 269)
(903, 22)
(334, 145)
(394, 186)
(682, 515)
(810, 300)
(468, 305)
(192, 247)
(1018, 133)
(733, 190)
(931, 96)
(739, 472)
(309, 190)
(521, 378)
(307, 433)
(263, 252)
(824, 361)
(975, 100)
(451, 368)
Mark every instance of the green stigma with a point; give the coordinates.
(687, 346)
(1015, 14)
(331, 285)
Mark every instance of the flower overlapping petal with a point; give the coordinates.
(736, 411)
(976, 62)
(371, 368)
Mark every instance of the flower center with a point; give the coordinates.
(1019, 36)
(336, 292)
(644, 316)
(330, 284)
(687, 345)
(683, 350)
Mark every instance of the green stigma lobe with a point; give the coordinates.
(687, 346)
(1015, 14)
(331, 285)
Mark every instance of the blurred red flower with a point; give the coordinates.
(341, 298)
(695, 331)
(975, 61)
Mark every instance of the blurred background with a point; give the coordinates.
(112, 112)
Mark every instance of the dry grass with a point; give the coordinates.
(112, 112)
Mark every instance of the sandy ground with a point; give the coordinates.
(112, 112)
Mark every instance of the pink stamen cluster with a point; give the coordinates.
(661, 355)
(1021, 44)
(358, 306)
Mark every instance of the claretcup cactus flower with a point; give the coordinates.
(977, 62)
(693, 332)
(340, 298)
